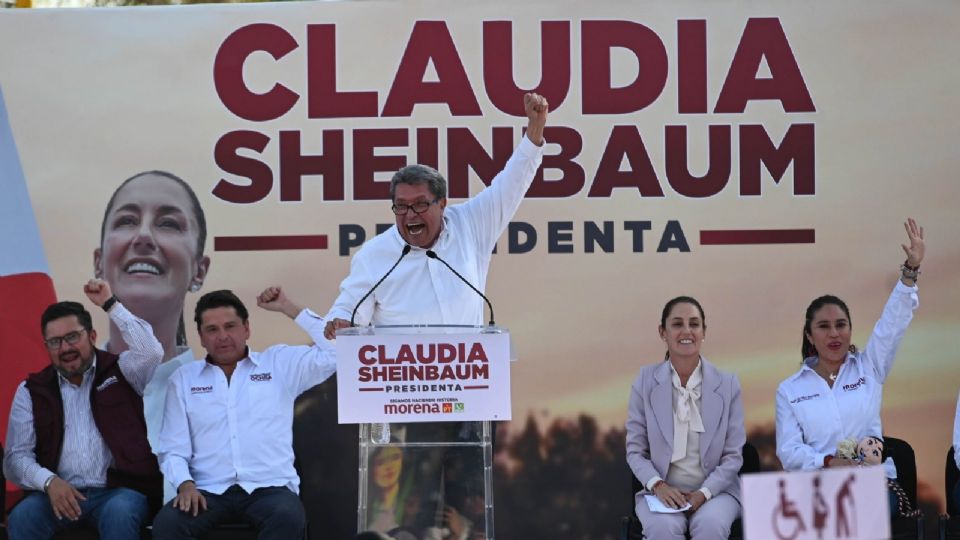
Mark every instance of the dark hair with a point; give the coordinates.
(197, 213)
(681, 300)
(668, 307)
(807, 349)
(217, 299)
(66, 309)
(419, 174)
(885, 453)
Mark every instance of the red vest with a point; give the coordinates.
(118, 414)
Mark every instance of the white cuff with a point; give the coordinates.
(652, 482)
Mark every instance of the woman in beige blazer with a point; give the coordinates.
(685, 433)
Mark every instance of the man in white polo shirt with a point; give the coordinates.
(226, 440)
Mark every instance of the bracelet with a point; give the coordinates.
(909, 272)
(908, 267)
(109, 303)
(46, 485)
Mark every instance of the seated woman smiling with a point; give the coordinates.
(685, 433)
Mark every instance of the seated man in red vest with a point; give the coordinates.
(77, 439)
(227, 436)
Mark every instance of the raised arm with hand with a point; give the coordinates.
(98, 291)
(274, 299)
(305, 366)
(144, 351)
(536, 107)
(915, 252)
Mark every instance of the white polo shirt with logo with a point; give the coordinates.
(220, 434)
(812, 417)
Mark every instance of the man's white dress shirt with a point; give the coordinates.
(812, 417)
(154, 398)
(219, 434)
(85, 458)
(956, 434)
(423, 291)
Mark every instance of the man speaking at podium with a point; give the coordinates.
(392, 281)
(420, 291)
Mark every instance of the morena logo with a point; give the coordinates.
(850, 387)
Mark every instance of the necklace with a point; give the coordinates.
(833, 377)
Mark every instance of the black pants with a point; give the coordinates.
(276, 512)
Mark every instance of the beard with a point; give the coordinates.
(79, 370)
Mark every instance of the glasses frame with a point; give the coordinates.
(71, 338)
(396, 208)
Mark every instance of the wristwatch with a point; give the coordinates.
(109, 303)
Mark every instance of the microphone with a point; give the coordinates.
(406, 249)
(433, 255)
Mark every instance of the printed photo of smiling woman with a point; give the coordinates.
(152, 253)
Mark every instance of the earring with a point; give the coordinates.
(194, 287)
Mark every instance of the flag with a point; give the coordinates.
(25, 285)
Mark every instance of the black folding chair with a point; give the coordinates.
(950, 523)
(906, 463)
(632, 529)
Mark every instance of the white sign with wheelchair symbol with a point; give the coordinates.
(839, 503)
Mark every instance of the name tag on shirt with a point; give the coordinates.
(807, 397)
(260, 377)
(201, 389)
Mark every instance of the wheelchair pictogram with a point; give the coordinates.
(787, 523)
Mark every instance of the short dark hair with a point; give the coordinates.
(66, 309)
(807, 349)
(218, 299)
(419, 174)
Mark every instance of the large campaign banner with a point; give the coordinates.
(752, 155)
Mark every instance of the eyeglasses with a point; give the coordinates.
(417, 207)
(72, 339)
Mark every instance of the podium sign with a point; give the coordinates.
(848, 502)
(428, 377)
